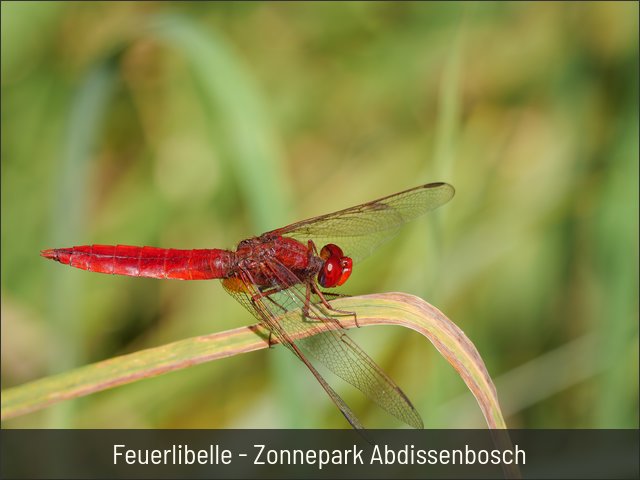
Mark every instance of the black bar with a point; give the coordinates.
(94, 454)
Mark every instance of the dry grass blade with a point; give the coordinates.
(377, 309)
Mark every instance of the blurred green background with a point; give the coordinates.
(196, 125)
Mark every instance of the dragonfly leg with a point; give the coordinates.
(306, 311)
(342, 312)
(254, 300)
(312, 248)
(267, 294)
(322, 296)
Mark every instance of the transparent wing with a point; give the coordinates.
(361, 229)
(261, 307)
(330, 345)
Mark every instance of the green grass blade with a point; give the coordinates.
(229, 89)
(379, 309)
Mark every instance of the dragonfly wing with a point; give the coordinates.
(263, 308)
(359, 230)
(331, 346)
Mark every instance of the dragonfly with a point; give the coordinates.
(281, 277)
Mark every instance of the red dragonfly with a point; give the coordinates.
(282, 272)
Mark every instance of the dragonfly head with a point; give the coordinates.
(336, 268)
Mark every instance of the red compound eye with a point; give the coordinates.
(336, 268)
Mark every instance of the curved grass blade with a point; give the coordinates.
(378, 309)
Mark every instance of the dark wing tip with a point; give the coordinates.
(441, 184)
(445, 191)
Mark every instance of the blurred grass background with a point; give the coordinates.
(196, 125)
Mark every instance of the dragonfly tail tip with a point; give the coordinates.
(49, 253)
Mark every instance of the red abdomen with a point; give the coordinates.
(148, 262)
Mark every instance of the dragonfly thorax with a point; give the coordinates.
(266, 258)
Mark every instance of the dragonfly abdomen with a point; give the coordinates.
(150, 262)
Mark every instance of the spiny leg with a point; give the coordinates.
(321, 295)
(342, 312)
(306, 312)
(267, 294)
